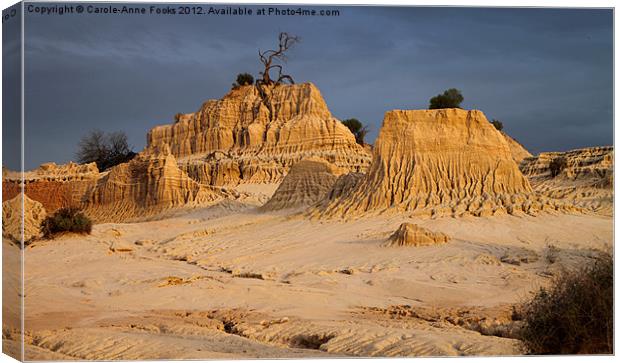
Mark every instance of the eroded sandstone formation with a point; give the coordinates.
(409, 234)
(425, 162)
(54, 186)
(307, 182)
(587, 163)
(587, 179)
(150, 183)
(438, 162)
(250, 136)
(33, 215)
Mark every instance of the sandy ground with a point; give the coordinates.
(229, 281)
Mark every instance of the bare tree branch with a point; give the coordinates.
(268, 57)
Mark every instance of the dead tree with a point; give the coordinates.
(270, 58)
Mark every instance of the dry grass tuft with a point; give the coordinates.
(575, 314)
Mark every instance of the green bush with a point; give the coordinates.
(574, 315)
(243, 79)
(557, 165)
(357, 129)
(67, 219)
(497, 124)
(451, 98)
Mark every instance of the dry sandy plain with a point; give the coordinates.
(231, 282)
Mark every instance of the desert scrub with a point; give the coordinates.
(575, 314)
(67, 219)
(243, 79)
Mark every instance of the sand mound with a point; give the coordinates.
(438, 162)
(307, 182)
(34, 214)
(146, 185)
(587, 180)
(250, 136)
(517, 150)
(409, 234)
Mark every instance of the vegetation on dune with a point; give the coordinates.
(450, 98)
(67, 219)
(575, 314)
(358, 129)
(106, 150)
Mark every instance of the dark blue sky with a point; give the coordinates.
(546, 73)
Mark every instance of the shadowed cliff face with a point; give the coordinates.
(439, 162)
(255, 137)
(307, 182)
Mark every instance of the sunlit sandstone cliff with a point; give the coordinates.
(438, 162)
(587, 180)
(253, 137)
(146, 185)
(426, 162)
(149, 183)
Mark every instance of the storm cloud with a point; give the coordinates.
(547, 74)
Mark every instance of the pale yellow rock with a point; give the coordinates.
(434, 163)
(409, 234)
(587, 180)
(148, 184)
(591, 162)
(254, 137)
(307, 182)
(33, 215)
